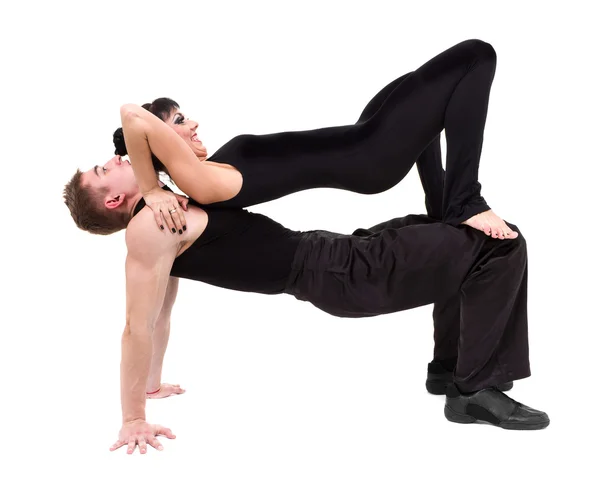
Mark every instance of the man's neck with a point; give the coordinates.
(136, 199)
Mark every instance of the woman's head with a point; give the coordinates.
(168, 111)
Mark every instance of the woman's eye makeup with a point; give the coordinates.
(179, 119)
(104, 169)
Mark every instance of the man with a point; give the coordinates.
(477, 284)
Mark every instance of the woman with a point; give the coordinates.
(451, 92)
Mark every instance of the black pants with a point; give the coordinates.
(399, 126)
(478, 286)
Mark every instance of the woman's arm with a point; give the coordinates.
(163, 204)
(138, 150)
(200, 180)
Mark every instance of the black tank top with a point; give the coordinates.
(277, 165)
(238, 250)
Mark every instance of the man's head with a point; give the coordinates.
(101, 199)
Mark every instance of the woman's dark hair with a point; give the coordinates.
(162, 108)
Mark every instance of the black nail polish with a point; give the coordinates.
(173, 230)
(184, 227)
(162, 227)
(180, 232)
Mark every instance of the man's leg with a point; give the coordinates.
(493, 343)
(446, 312)
(446, 333)
(402, 268)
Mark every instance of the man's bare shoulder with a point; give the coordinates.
(144, 237)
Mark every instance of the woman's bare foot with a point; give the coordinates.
(492, 225)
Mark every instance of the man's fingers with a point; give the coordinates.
(165, 431)
(155, 443)
(131, 446)
(142, 444)
(117, 445)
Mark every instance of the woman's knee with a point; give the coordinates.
(482, 51)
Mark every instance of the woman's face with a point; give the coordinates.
(186, 129)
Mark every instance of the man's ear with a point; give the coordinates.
(114, 201)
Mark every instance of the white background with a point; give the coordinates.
(276, 388)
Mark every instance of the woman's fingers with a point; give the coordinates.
(182, 222)
(174, 211)
(169, 216)
(183, 201)
(168, 219)
(166, 209)
(158, 218)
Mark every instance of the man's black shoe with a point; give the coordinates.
(439, 378)
(492, 406)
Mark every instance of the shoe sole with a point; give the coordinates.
(437, 387)
(459, 418)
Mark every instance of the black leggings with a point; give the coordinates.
(401, 125)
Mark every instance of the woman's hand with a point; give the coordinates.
(165, 205)
(166, 390)
(139, 433)
(183, 201)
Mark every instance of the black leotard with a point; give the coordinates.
(451, 92)
(238, 250)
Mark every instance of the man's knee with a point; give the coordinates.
(519, 244)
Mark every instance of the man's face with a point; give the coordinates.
(116, 175)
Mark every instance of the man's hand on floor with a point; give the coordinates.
(140, 433)
(166, 390)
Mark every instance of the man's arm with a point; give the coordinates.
(149, 260)
(160, 337)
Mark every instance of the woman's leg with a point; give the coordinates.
(451, 92)
(439, 198)
(429, 162)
